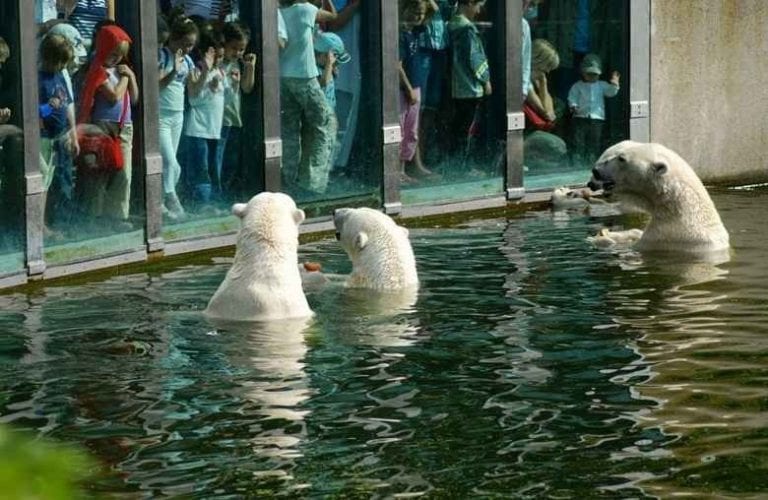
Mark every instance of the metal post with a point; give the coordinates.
(639, 70)
(386, 18)
(513, 175)
(35, 192)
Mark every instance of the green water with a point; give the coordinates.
(531, 366)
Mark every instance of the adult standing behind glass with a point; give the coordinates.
(85, 14)
(212, 10)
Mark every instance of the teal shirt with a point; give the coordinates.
(470, 65)
(297, 59)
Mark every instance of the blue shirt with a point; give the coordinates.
(55, 120)
(415, 62)
(297, 59)
(589, 98)
(85, 16)
(104, 110)
(172, 95)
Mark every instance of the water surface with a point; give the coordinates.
(532, 365)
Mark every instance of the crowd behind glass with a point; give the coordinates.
(88, 91)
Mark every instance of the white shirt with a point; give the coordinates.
(205, 114)
(589, 98)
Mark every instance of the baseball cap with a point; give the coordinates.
(331, 42)
(591, 64)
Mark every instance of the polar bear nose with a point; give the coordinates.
(596, 174)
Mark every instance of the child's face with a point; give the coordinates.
(415, 15)
(219, 56)
(114, 58)
(590, 77)
(235, 49)
(4, 56)
(185, 43)
(162, 37)
(475, 9)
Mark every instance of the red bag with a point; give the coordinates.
(100, 149)
(534, 120)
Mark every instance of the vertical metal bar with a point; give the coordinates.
(512, 15)
(268, 90)
(385, 18)
(639, 70)
(143, 18)
(35, 193)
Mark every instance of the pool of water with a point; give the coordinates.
(532, 365)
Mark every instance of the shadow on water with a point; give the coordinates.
(529, 365)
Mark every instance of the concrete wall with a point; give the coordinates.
(709, 85)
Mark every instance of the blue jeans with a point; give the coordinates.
(201, 167)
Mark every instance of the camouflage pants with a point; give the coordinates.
(308, 133)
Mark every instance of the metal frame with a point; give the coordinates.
(639, 70)
(270, 147)
(513, 174)
(386, 18)
(35, 201)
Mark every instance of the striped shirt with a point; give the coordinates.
(85, 16)
(208, 9)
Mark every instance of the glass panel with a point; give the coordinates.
(87, 96)
(452, 111)
(328, 89)
(207, 72)
(577, 104)
(11, 144)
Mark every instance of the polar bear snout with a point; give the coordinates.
(600, 180)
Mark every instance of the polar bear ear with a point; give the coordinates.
(239, 209)
(361, 240)
(299, 216)
(659, 167)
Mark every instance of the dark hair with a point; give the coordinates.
(234, 31)
(162, 25)
(208, 39)
(182, 26)
(55, 49)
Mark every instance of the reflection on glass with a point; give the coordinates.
(11, 147)
(574, 54)
(205, 69)
(328, 152)
(447, 100)
(87, 92)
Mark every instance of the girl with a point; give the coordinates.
(240, 69)
(203, 120)
(109, 91)
(307, 119)
(176, 70)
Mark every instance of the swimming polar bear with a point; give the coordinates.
(264, 282)
(381, 254)
(658, 181)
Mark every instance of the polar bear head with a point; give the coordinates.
(657, 180)
(270, 216)
(381, 254)
(264, 281)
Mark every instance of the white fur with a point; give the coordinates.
(381, 254)
(607, 238)
(655, 179)
(264, 281)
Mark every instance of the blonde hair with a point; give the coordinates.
(544, 56)
(5, 51)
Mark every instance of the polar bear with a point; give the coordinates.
(264, 282)
(381, 254)
(656, 180)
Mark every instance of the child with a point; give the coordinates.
(203, 120)
(329, 53)
(58, 135)
(413, 71)
(109, 90)
(307, 120)
(176, 70)
(586, 100)
(470, 75)
(240, 69)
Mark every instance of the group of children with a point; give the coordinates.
(435, 35)
(204, 70)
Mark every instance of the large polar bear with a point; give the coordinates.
(656, 180)
(381, 254)
(264, 282)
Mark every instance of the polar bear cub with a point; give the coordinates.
(657, 180)
(264, 282)
(381, 254)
